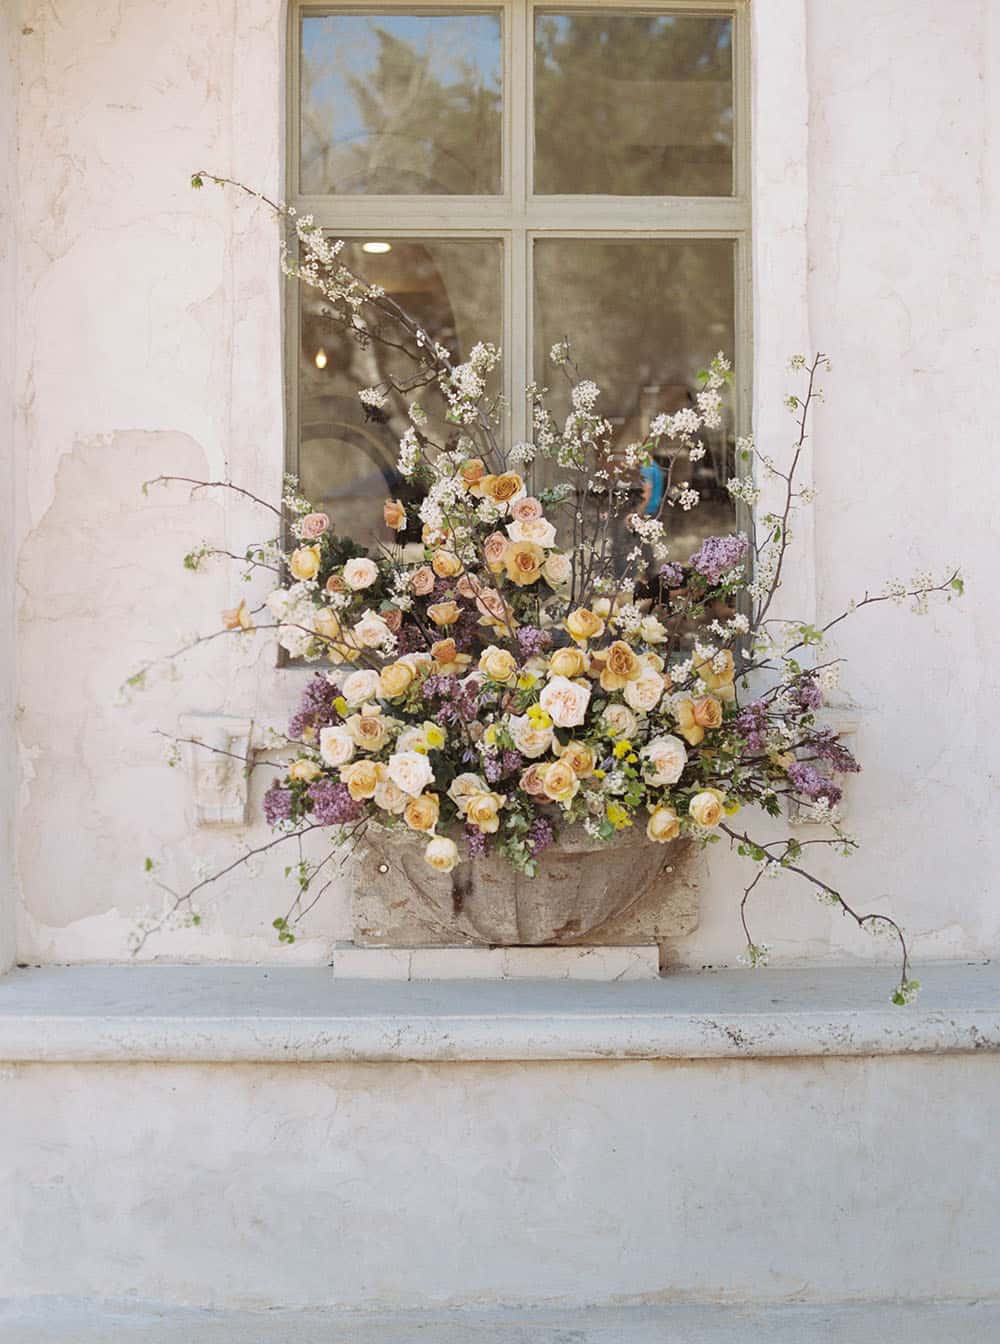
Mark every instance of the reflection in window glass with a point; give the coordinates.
(645, 317)
(347, 461)
(633, 105)
(400, 104)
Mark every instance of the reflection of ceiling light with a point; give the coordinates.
(320, 358)
(376, 247)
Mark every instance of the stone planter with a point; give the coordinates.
(628, 891)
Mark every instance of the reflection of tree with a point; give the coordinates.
(633, 104)
(418, 132)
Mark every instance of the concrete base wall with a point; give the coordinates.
(411, 1185)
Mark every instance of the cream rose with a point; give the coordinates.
(579, 757)
(483, 811)
(529, 740)
(538, 530)
(557, 570)
(326, 623)
(360, 686)
(619, 721)
(370, 732)
(466, 786)
(422, 581)
(444, 613)
(360, 572)
(336, 745)
(442, 854)
(565, 702)
(304, 562)
(421, 814)
(498, 664)
(652, 630)
(706, 808)
(389, 796)
(583, 624)
(663, 825)
(395, 680)
(568, 663)
(304, 769)
(560, 782)
(371, 631)
(446, 564)
(645, 693)
(361, 778)
(410, 771)
(665, 759)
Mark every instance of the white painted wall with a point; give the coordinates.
(148, 323)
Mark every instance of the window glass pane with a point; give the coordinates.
(644, 317)
(633, 104)
(400, 104)
(347, 462)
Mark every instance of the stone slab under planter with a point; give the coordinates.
(350, 962)
(626, 893)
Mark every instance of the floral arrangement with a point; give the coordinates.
(515, 672)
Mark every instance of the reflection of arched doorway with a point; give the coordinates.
(347, 460)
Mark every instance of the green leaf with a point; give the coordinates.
(197, 181)
(149, 865)
(958, 584)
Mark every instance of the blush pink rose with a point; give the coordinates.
(494, 549)
(527, 509)
(313, 525)
(422, 581)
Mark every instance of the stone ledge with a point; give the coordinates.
(350, 962)
(228, 1014)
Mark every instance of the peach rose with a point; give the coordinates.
(472, 471)
(393, 618)
(496, 611)
(527, 509)
(442, 854)
(360, 572)
(304, 562)
(483, 811)
(444, 613)
(707, 712)
(313, 525)
(565, 702)
(663, 825)
(446, 564)
(422, 581)
(361, 778)
(560, 782)
(370, 732)
(706, 808)
(394, 514)
(692, 732)
(583, 624)
(523, 562)
(532, 781)
(579, 757)
(421, 814)
(504, 489)
(238, 618)
(494, 550)
(718, 679)
(621, 665)
(335, 584)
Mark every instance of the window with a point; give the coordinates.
(514, 173)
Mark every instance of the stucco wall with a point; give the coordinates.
(148, 326)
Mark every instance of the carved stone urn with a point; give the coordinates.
(626, 891)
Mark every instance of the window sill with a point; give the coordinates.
(244, 1014)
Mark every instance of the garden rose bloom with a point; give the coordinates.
(568, 663)
(619, 721)
(583, 624)
(621, 665)
(304, 769)
(530, 740)
(719, 680)
(389, 796)
(304, 562)
(326, 623)
(466, 786)
(565, 702)
(498, 664)
(494, 550)
(395, 680)
(444, 613)
(503, 489)
(368, 731)
(421, 814)
(422, 581)
(527, 509)
(445, 653)
(531, 781)
(313, 525)
(560, 782)
(336, 745)
(442, 854)
(706, 808)
(238, 618)
(645, 693)
(361, 778)
(360, 573)
(523, 562)
(394, 514)
(538, 530)
(579, 757)
(335, 584)
(665, 759)
(371, 631)
(446, 564)
(663, 825)
(360, 686)
(692, 732)
(472, 471)
(707, 711)
(410, 771)
(557, 570)
(483, 811)
(653, 631)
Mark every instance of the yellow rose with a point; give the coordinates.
(568, 663)
(421, 814)
(361, 778)
(663, 824)
(446, 564)
(483, 811)
(498, 664)
(706, 808)
(621, 665)
(444, 613)
(238, 618)
(583, 624)
(579, 757)
(395, 680)
(560, 782)
(304, 562)
(502, 489)
(523, 561)
(368, 731)
(719, 679)
(327, 624)
(394, 515)
(442, 854)
(691, 731)
(305, 770)
(472, 472)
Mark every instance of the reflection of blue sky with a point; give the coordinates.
(341, 48)
(661, 28)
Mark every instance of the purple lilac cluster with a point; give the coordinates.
(459, 704)
(807, 693)
(476, 842)
(810, 782)
(277, 804)
(716, 556)
(331, 803)
(751, 724)
(315, 710)
(540, 835)
(532, 640)
(671, 574)
(499, 765)
(825, 745)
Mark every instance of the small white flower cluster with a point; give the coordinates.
(375, 397)
(742, 487)
(559, 353)
(687, 498)
(418, 415)
(293, 502)
(736, 625)
(465, 385)
(522, 452)
(409, 454)
(584, 395)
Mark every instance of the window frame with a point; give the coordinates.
(516, 216)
